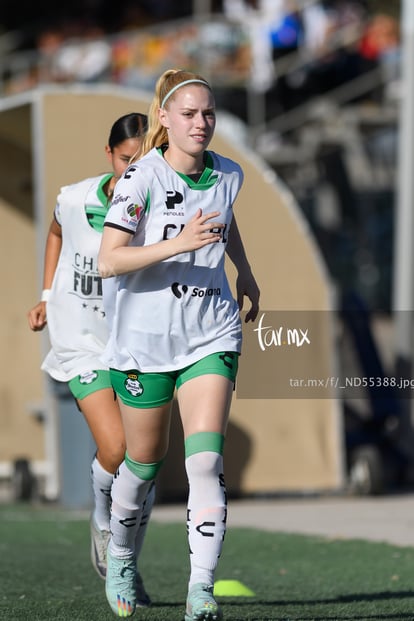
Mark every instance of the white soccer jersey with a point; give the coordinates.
(176, 312)
(76, 320)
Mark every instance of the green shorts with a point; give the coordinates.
(86, 383)
(150, 390)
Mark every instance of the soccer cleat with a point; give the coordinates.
(120, 586)
(201, 605)
(143, 599)
(99, 544)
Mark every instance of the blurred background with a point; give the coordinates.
(316, 83)
(314, 89)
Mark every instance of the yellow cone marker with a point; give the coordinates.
(232, 588)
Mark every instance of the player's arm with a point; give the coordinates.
(116, 256)
(37, 315)
(246, 283)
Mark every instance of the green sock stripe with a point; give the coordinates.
(204, 441)
(146, 472)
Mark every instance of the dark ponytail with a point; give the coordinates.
(133, 125)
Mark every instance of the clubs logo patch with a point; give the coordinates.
(88, 377)
(133, 385)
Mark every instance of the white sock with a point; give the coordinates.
(146, 514)
(101, 486)
(128, 497)
(206, 514)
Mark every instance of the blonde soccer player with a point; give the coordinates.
(176, 327)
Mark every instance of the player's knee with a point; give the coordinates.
(111, 456)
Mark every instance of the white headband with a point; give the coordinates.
(177, 86)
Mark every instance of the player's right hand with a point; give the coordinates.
(200, 231)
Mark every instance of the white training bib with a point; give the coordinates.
(76, 319)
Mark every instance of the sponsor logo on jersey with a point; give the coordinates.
(198, 292)
(133, 385)
(172, 230)
(178, 289)
(173, 198)
(118, 198)
(88, 377)
(194, 292)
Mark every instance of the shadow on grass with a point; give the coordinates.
(408, 616)
(352, 598)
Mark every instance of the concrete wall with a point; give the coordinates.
(20, 384)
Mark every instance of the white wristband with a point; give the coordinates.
(45, 295)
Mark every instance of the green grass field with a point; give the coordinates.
(45, 573)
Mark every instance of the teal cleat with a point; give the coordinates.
(201, 605)
(120, 586)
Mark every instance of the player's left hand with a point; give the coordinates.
(246, 285)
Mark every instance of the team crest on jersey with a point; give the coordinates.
(88, 377)
(133, 385)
